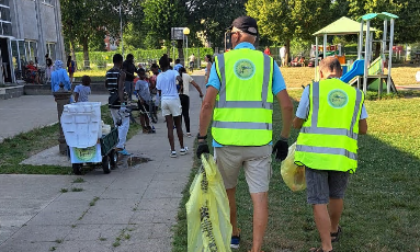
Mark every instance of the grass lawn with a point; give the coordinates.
(20, 147)
(295, 77)
(381, 206)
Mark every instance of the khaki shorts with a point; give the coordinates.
(256, 162)
(171, 107)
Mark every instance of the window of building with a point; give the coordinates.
(51, 51)
(5, 19)
(4, 2)
(31, 50)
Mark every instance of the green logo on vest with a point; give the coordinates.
(85, 154)
(244, 69)
(337, 98)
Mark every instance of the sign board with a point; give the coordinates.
(177, 33)
(86, 155)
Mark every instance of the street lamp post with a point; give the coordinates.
(186, 32)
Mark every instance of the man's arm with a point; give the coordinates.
(121, 86)
(363, 127)
(76, 97)
(207, 109)
(286, 107)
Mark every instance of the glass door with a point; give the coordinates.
(16, 58)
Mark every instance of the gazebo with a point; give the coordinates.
(342, 26)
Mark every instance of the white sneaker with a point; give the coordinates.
(189, 134)
(183, 151)
(173, 154)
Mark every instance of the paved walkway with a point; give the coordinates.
(30, 111)
(131, 209)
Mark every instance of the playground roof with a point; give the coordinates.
(384, 16)
(342, 26)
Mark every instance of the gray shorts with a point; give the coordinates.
(321, 185)
(256, 162)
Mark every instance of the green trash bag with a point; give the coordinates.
(208, 215)
(293, 175)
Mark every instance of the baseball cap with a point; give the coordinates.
(246, 24)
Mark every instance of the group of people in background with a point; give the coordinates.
(282, 53)
(167, 86)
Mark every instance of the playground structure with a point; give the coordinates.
(363, 70)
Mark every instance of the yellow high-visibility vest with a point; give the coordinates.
(244, 105)
(328, 138)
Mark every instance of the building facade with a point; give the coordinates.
(29, 29)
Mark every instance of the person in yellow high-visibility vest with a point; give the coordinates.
(240, 92)
(330, 116)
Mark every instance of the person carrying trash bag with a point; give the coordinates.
(209, 228)
(240, 92)
(330, 116)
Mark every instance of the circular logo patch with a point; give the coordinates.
(244, 69)
(85, 154)
(337, 98)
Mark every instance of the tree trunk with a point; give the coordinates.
(85, 45)
(72, 52)
(180, 52)
(287, 51)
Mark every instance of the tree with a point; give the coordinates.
(281, 21)
(214, 17)
(160, 16)
(406, 26)
(86, 21)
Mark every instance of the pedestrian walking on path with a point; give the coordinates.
(60, 76)
(115, 83)
(242, 122)
(129, 69)
(184, 96)
(171, 105)
(329, 153)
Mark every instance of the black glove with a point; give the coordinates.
(202, 148)
(280, 149)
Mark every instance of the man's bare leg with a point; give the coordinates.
(335, 209)
(323, 224)
(260, 219)
(232, 206)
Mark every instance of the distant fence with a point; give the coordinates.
(144, 57)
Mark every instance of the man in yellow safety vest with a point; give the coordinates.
(240, 92)
(331, 115)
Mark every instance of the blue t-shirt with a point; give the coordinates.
(84, 92)
(178, 66)
(278, 80)
(302, 111)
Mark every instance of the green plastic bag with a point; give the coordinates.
(208, 215)
(293, 175)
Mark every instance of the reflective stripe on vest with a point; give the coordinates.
(327, 150)
(242, 125)
(222, 103)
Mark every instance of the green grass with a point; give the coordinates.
(22, 146)
(78, 180)
(95, 74)
(93, 202)
(64, 190)
(381, 205)
(77, 189)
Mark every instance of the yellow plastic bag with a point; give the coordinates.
(208, 215)
(293, 175)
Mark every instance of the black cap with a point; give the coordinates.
(246, 24)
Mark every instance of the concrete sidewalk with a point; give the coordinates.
(131, 209)
(28, 112)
